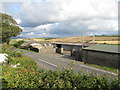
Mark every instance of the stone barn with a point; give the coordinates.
(104, 55)
(32, 45)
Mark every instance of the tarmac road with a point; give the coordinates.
(49, 60)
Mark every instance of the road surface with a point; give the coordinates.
(49, 60)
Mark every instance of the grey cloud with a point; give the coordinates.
(34, 14)
(73, 17)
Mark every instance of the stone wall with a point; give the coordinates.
(100, 58)
(77, 54)
(59, 50)
(70, 47)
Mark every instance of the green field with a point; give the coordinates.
(106, 36)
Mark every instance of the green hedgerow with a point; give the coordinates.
(18, 43)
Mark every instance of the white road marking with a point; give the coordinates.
(84, 66)
(47, 62)
(98, 69)
(30, 55)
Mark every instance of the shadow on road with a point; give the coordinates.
(68, 57)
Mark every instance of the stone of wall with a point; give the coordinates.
(67, 47)
(77, 54)
(59, 50)
(100, 58)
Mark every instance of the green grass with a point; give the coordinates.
(26, 50)
(46, 38)
(0, 49)
(24, 61)
(104, 68)
(39, 38)
(106, 36)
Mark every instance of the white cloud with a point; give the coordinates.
(31, 33)
(52, 12)
(43, 26)
(93, 27)
(68, 17)
(18, 21)
(100, 24)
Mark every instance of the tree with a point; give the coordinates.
(8, 27)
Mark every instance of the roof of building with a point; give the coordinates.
(34, 44)
(104, 48)
(74, 43)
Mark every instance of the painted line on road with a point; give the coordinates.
(30, 55)
(47, 62)
(98, 70)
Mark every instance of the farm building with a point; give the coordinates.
(30, 44)
(104, 55)
(74, 48)
(33, 47)
(68, 46)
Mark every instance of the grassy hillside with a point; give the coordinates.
(108, 39)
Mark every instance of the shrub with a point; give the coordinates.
(15, 54)
(11, 53)
(18, 44)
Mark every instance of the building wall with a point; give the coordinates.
(67, 47)
(70, 47)
(100, 58)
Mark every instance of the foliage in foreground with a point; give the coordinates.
(26, 75)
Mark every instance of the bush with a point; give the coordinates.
(18, 44)
(10, 53)
(15, 54)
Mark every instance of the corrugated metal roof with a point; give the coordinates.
(74, 43)
(104, 48)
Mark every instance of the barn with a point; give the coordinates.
(104, 55)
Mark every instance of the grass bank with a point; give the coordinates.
(104, 68)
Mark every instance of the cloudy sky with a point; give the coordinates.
(63, 18)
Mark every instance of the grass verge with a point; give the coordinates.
(104, 68)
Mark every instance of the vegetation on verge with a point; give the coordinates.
(17, 44)
(115, 70)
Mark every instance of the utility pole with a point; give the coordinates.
(82, 39)
(93, 37)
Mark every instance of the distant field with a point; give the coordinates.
(39, 38)
(108, 39)
(107, 36)
(103, 39)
